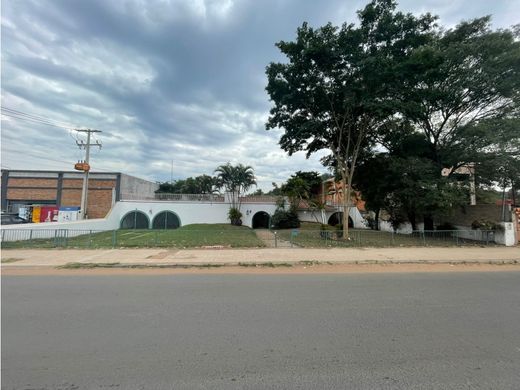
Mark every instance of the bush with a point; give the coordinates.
(235, 216)
(282, 219)
(483, 224)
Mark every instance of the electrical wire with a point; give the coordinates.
(38, 156)
(35, 117)
(34, 121)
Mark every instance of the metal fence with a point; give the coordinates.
(237, 238)
(373, 238)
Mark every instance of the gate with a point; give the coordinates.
(61, 238)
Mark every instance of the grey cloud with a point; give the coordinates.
(166, 80)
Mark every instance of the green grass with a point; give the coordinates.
(265, 265)
(310, 236)
(10, 260)
(189, 236)
(134, 266)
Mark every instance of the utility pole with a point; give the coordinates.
(81, 144)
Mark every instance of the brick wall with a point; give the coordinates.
(35, 189)
(31, 193)
(19, 182)
(99, 195)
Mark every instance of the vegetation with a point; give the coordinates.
(334, 91)
(202, 184)
(397, 101)
(311, 235)
(284, 219)
(235, 216)
(189, 236)
(235, 180)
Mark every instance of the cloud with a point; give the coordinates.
(177, 80)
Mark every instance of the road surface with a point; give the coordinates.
(250, 331)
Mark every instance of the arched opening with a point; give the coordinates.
(337, 219)
(166, 220)
(135, 220)
(261, 220)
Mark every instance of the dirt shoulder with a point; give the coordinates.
(298, 269)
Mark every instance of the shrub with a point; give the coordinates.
(235, 216)
(483, 224)
(282, 219)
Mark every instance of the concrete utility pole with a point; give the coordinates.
(81, 144)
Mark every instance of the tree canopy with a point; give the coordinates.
(403, 98)
(333, 93)
(202, 184)
(236, 180)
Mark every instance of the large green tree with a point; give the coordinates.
(461, 89)
(334, 91)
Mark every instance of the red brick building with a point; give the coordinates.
(22, 188)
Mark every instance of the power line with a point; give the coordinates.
(35, 116)
(46, 158)
(35, 121)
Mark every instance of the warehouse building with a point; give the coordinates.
(22, 188)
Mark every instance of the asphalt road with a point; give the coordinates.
(343, 331)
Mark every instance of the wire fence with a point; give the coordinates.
(237, 238)
(373, 238)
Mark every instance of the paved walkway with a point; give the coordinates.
(13, 258)
(270, 239)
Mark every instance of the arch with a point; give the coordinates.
(260, 220)
(135, 220)
(166, 220)
(337, 219)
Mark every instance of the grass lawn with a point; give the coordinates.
(189, 236)
(309, 235)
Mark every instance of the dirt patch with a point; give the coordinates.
(296, 269)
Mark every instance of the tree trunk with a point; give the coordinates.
(411, 218)
(346, 209)
(377, 218)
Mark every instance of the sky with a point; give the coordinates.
(174, 85)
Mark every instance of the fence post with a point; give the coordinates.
(66, 238)
(114, 238)
(275, 239)
(90, 239)
(424, 237)
(456, 238)
(30, 237)
(393, 242)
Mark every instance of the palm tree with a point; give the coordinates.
(235, 180)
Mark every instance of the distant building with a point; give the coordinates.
(63, 189)
(332, 194)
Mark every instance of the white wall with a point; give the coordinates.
(134, 186)
(357, 219)
(188, 213)
(506, 237)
